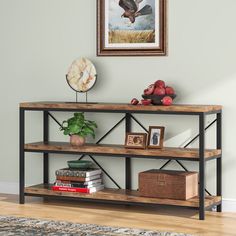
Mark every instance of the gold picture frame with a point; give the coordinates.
(136, 140)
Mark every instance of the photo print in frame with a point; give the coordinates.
(156, 137)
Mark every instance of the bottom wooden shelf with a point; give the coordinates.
(120, 195)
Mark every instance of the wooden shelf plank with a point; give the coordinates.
(120, 195)
(119, 107)
(120, 150)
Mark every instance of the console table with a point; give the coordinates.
(127, 195)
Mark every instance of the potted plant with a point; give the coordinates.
(78, 128)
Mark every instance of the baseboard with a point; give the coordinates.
(228, 205)
(9, 187)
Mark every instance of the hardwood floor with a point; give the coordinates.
(160, 218)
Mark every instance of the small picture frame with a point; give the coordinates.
(156, 136)
(136, 140)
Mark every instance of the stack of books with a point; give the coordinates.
(78, 180)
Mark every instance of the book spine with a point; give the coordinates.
(67, 178)
(70, 185)
(91, 182)
(71, 173)
(69, 189)
(76, 185)
(78, 179)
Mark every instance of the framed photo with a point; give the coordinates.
(131, 27)
(156, 137)
(136, 140)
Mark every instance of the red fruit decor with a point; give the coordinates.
(157, 94)
(160, 83)
(149, 90)
(169, 90)
(167, 101)
(134, 101)
(146, 102)
(159, 91)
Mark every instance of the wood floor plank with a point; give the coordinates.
(153, 218)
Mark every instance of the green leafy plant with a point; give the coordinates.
(78, 125)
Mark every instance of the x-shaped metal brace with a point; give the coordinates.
(185, 146)
(143, 127)
(99, 141)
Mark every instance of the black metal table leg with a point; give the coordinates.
(45, 155)
(128, 160)
(22, 157)
(202, 167)
(219, 160)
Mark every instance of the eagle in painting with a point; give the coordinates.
(132, 11)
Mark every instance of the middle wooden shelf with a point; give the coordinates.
(190, 154)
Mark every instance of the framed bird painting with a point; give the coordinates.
(131, 27)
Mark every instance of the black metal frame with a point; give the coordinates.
(45, 139)
(202, 176)
(128, 122)
(22, 157)
(219, 161)
(128, 160)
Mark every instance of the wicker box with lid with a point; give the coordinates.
(178, 185)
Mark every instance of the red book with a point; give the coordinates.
(70, 189)
(77, 190)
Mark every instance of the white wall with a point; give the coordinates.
(39, 40)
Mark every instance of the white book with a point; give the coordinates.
(95, 181)
(95, 189)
